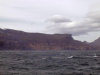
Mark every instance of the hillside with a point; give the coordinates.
(19, 40)
(96, 43)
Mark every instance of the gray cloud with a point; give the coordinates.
(58, 19)
(90, 24)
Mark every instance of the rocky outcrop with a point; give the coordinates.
(19, 40)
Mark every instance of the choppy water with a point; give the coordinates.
(49, 62)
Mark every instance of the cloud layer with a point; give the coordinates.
(60, 24)
(29, 15)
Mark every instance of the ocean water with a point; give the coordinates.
(50, 62)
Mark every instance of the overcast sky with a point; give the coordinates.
(81, 18)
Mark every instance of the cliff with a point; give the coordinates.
(19, 40)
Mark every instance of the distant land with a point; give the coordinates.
(19, 40)
(96, 43)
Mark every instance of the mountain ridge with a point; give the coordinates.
(20, 40)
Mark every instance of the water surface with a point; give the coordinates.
(50, 62)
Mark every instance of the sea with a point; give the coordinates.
(52, 62)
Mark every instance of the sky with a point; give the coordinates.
(81, 18)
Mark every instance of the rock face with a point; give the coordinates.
(18, 40)
(96, 43)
